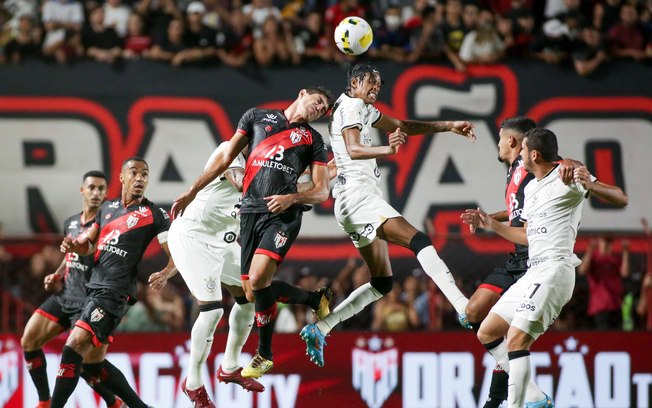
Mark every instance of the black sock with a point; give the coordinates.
(265, 319)
(293, 295)
(37, 367)
(67, 377)
(498, 387)
(115, 381)
(92, 373)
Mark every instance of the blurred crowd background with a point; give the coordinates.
(585, 34)
(613, 292)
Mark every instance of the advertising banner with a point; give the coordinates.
(363, 369)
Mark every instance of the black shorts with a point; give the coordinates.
(102, 314)
(65, 313)
(268, 234)
(503, 277)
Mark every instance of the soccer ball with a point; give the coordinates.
(353, 35)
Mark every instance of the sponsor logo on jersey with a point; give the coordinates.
(268, 128)
(271, 118)
(165, 214)
(114, 204)
(280, 239)
(374, 364)
(273, 165)
(211, 285)
(74, 224)
(97, 315)
(132, 221)
(229, 237)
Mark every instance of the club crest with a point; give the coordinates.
(375, 369)
(280, 239)
(97, 315)
(132, 221)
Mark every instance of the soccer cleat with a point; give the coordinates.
(117, 404)
(43, 404)
(236, 377)
(547, 402)
(258, 366)
(324, 302)
(315, 342)
(463, 321)
(198, 397)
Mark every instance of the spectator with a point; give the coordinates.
(471, 15)
(522, 32)
(199, 37)
(274, 44)
(606, 15)
(258, 12)
(158, 15)
(392, 314)
(453, 26)
(644, 307)
(605, 271)
(482, 46)
(332, 17)
(554, 45)
(27, 41)
(588, 52)
(235, 41)
(116, 16)
(626, 37)
(430, 306)
(170, 45)
(136, 41)
(310, 40)
(392, 40)
(63, 21)
(428, 42)
(101, 43)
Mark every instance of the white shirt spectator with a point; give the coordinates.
(116, 15)
(61, 11)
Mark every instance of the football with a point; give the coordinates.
(353, 35)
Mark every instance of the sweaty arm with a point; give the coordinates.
(218, 166)
(83, 244)
(317, 194)
(612, 194)
(359, 151)
(418, 127)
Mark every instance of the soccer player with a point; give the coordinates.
(551, 215)
(282, 145)
(122, 230)
(497, 282)
(60, 311)
(203, 245)
(360, 208)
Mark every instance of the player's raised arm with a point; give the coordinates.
(359, 151)
(82, 245)
(218, 166)
(417, 127)
(612, 194)
(514, 234)
(158, 280)
(315, 195)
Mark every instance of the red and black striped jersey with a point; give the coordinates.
(125, 233)
(517, 179)
(279, 152)
(78, 267)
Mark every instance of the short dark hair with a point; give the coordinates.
(311, 90)
(544, 141)
(521, 124)
(359, 71)
(94, 173)
(135, 159)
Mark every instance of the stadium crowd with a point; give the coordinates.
(584, 34)
(415, 303)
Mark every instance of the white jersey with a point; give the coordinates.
(552, 210)
(212, 216)
(353, 113)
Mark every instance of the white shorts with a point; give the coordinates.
(204, 267)
(533, 303)
(360, 211)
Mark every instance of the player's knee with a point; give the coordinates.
(383, 284)
(207, 307)
(28, 342)
(419, 241)
(474, 311)
(486, 336)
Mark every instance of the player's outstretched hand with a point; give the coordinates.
(566, 170)
(68, 245)
(464, 128)
(470, 218)
(396, 139)
(279, 203)
(158, 280)
(180, 204)
(485, 221)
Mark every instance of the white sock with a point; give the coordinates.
(532, 393)
(499, 353)
(353, 304)
(241, 321)
(201, 340)
(519, 377)
(439, 273)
